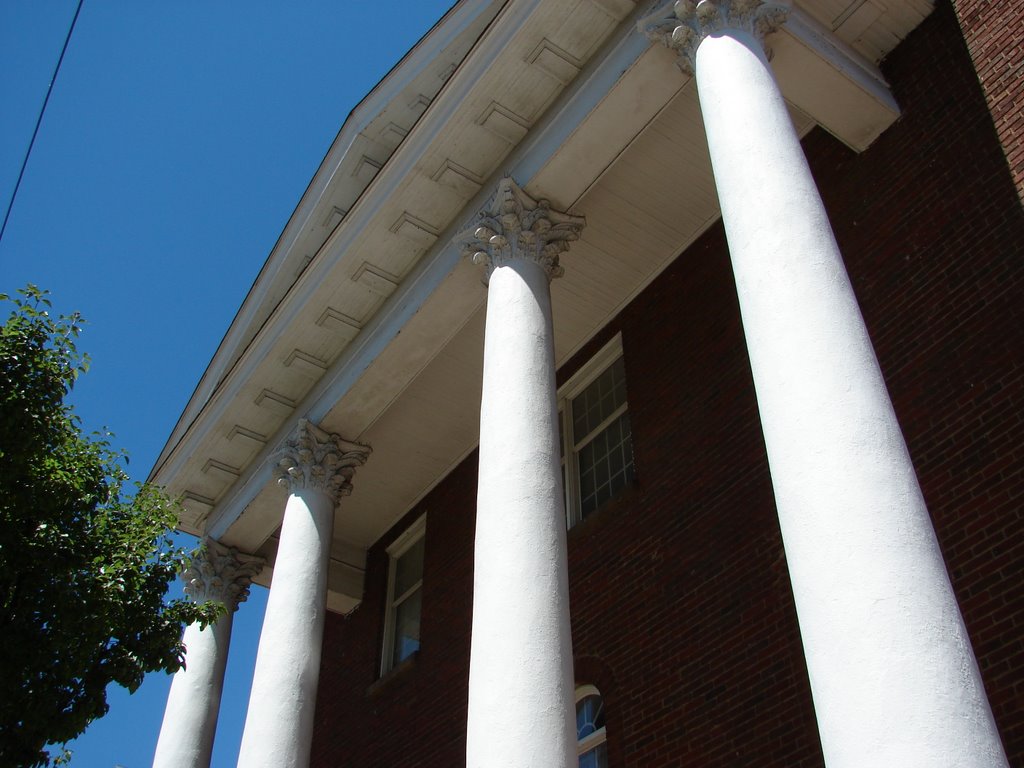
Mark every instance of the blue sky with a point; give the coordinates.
(177, 142)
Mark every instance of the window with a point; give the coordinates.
(590, 732)
(405, 597)
(597, 444)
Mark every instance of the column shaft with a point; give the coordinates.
(223, 575)
(317, 468)
(190, 719)
(892, 672)
(520, 682)
(279, 723)
(521, 704)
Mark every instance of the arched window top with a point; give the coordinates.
(589, 715)
(590, 729)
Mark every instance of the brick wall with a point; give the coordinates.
(417, 715)
(994, 31)
(682, 611)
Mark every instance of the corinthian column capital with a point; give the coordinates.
(313, 458)
(515, 226)
(684, 24)
(220, 573)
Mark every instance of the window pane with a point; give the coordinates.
(407, 627)
(408, 569)
(595, 758)
(599, 400)
(606, 465)
(587, 486)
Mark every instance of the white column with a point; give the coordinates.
(220, 574)
(892, 672)
(317, 469)
(521, 705)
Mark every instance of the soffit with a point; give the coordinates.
(871, 27)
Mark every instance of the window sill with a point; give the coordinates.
(393, 676)
(600, 519)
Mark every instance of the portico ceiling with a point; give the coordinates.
(366, 319)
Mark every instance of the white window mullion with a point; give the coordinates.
(409, 592)
(601, 427)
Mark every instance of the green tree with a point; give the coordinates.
(85, 564)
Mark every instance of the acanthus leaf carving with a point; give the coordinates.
(313, 458)
(683, 24)
(515, 226)
(222, 573)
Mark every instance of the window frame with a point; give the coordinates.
(570, 447)
(409, 538)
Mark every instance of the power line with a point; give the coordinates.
(39, 120)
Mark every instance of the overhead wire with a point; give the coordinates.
(39, 120)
